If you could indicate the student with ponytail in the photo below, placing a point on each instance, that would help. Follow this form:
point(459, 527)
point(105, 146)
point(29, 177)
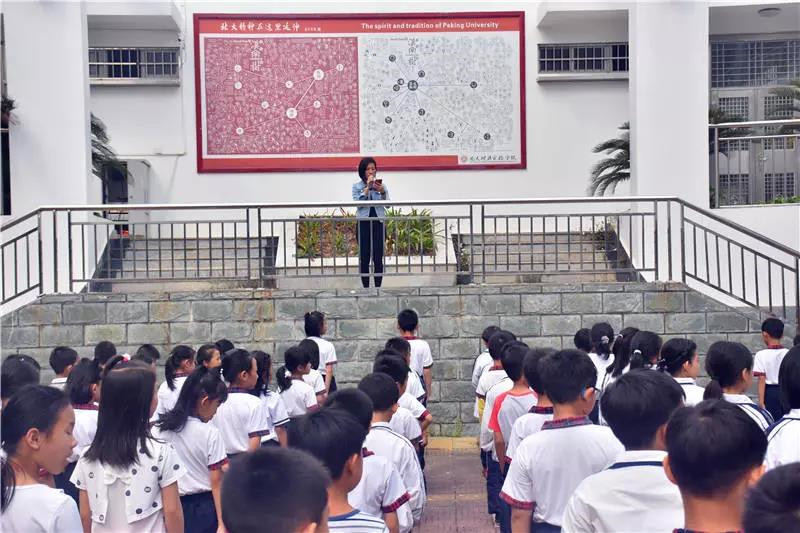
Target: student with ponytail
point(602, 336)
point(177, 368)
point(645, 349)
point(316, 326)
point(200, 448)
point(37, 433)
point(730, 367)
point(679, 359)
point(297, 395)
point(128, 479)
point(273, 403)
point(622, 355)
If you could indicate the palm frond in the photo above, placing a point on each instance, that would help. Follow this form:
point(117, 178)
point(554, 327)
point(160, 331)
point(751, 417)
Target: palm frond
point(103, 156)
point(607, 173)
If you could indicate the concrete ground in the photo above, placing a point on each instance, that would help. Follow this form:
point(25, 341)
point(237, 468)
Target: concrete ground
point(456, 489)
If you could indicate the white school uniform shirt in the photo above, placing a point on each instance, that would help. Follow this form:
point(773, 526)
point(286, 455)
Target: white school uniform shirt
point(767, 363)
point(630, 496)
point(40, 509)
point(278, 416)
point(404, 423)
point(601, 365)
point(239, 418)
point(167, 398)
point(129, 499)
point(507, 409)
point(549, 465)
point(327, 354)
point(525, 426)
point(482, 362)
point(407, 401)
point(692, 391)
point(400, 452)
point(316, 380)
point(784, 441)
point(84, 430)
point(414, 385)
point(759, 415)
point(381, 489)
point(58, 383)
point(421, 357)
point(486, 435)
point(200, 448)
point(356, 521)
point(491, 376)
point(299, 398)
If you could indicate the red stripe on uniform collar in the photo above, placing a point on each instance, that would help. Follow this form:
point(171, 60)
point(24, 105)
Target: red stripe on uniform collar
point(409, 337)
point(567, 422)
point(86, 406)
point(366, 453)
point(774, 347)
point(541, 410)
point(238, 389)
point(497, 366)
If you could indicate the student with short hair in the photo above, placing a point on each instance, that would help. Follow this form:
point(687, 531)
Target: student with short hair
point(36, 428)
point(224, 346)
point(774, 503)
point(200, 448)
point(381, 492)
point(336, 438)
point(421, 357)
point(730, 367)
point(784, 435)
point(414, 385)
point(583, 340)
point(484, 360)
point(297, 395)
point(766, 366)
point(273, 403)
point(103, 351)
point(714, 455)
point(16, 372)
point(62, 359)
point(242, 420)
point(177, 368)
point(416, 415)
point(534, 488)
point(316, 325)
point(127, 478)
point(532, 421)
point(679, 359)
point(209, 356)
point(314, 376)
point(492, 374)
point(633, 494)
point(148, 353)
point(256, 496)
point(382, 440)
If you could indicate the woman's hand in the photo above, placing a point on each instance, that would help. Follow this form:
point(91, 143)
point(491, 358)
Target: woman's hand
point(379, 187)
point(370, 180)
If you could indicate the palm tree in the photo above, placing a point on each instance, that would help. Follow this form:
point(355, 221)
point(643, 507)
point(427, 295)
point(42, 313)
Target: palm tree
point(103, 156)
point(611, 171)
point(789, 110)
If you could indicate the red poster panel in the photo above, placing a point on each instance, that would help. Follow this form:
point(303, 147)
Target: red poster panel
point(424, 91)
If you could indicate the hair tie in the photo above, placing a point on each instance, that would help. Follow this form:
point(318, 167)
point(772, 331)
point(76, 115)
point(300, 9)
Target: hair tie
point(604, 339)
point(637, 352)
point(287, 373)
point(126, 357)
point(618, 336)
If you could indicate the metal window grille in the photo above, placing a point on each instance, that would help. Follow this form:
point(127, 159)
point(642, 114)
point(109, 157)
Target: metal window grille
point(583, 58)
point(738, 107)
point(778, 184)
point(134, 63)
point(775, 108)
point(734, 189)
point(754, 63)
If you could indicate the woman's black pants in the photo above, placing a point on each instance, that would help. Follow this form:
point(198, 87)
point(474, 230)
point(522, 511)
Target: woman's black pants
point(370, 244)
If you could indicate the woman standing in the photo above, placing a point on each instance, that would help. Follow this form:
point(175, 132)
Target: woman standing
point(370, 220)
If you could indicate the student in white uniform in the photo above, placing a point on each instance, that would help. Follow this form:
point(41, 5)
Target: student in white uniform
point(714, 455)
point(17, 371)
point(679, 359)
point(484, 360)
point(128, 479)
point(209, 356)
point(766, 365)
point(199, 447)
point(549, 465)
point(314, 376)
point(633, 494)
point(645, 350)
point(381, 492)
point(336, 438)
point(414, 385)
point(421, 357)
point(177, 368)
point(784, 435)
point(381, 440)
point(730, 367)
point(297, 395)
point(494, 373)
point(621, 348)
point(62, 359)
point(772, 505)
point(37, 433)
point(532, 421)
point(242, 419)
point(291, 493)
point(273, 403)
point(316, 326)
point(602, 336)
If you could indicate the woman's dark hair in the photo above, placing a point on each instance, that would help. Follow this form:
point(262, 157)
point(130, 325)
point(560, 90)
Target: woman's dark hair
point(123, 422)
point(789, 379)
point(622, 351)
point(201, 382)
point(224, 345)
point(16, 372)
point(674, 354)
point(178, 355)
point(234, 362)
point(645, 347)
point(79, 382)
point(263, 364)
point(711, 446)
point(33, 406)
point(774, 503)
point(205, 352)
point(725, 362)
point(362, 167)
point(530, 367)
point(313, 322)
point(312, 349)
point(148, 352)
point(294, 358)
point(602, 335)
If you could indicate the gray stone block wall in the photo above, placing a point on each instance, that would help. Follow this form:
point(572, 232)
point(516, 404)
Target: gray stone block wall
point(359, 321)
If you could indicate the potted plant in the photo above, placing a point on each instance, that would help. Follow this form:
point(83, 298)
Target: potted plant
point(464, 275)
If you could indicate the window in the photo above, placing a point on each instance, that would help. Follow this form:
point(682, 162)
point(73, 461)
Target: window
point(778, 184)
point(594, 58)
point(734, 189)
point(777, 107)
point(754, 63)
point(735, 106)
point(143, 64)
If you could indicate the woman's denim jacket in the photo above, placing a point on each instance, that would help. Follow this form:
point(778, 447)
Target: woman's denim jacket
point(358, 195)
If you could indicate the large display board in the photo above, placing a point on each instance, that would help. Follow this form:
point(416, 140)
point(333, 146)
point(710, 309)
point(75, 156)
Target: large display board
point(420, 91)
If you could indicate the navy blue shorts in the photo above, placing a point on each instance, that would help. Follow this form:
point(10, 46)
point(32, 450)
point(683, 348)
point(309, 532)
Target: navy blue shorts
point(199, 513)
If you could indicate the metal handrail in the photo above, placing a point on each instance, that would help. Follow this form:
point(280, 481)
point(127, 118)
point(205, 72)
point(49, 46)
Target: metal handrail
point(779, 122)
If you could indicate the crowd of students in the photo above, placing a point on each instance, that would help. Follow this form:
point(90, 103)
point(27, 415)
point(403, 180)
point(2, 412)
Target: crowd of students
point(614, 435)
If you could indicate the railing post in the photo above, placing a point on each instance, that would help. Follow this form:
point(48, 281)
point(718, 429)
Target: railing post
point(655, 235)
point(716, 167)
point(55, 253)
point(669, 239)
point(69, 248)
point(483, 243)
point(682, 223)
point(39, 246)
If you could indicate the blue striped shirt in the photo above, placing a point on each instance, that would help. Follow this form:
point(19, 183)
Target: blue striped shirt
point(356, 522)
